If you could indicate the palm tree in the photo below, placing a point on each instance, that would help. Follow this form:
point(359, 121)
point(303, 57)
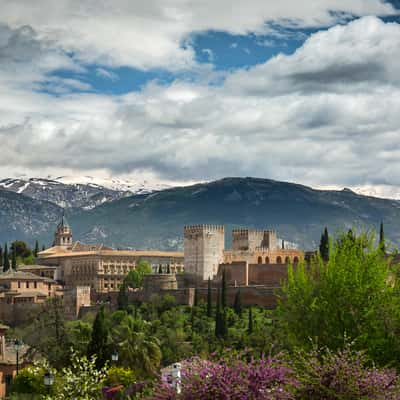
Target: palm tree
point(139, 350)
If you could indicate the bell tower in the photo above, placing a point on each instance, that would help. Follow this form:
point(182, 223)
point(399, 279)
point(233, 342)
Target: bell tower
point(63, 234)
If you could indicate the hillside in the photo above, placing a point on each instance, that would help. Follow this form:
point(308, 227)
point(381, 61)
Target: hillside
point(297, 212)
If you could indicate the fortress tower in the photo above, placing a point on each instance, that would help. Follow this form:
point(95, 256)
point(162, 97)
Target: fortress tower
point(250, 240)
point(204, 249)
point(63, 234)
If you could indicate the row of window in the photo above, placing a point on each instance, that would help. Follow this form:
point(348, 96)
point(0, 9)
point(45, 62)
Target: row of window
point(278, 260)
point(27, 284)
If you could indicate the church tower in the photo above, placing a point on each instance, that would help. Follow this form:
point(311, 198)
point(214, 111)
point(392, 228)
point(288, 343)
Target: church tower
point(63, 235)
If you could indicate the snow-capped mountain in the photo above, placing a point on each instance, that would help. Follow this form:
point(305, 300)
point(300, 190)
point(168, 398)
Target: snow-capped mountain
point(120, 185)
point(65, 195)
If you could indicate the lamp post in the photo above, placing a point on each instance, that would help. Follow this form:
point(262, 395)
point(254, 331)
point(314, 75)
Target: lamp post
point(17, 347)
point(114, 356)
point(48, 380)
point(176, 377)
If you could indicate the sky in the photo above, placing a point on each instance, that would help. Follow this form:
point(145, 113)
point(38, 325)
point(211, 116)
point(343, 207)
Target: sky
point(181, 91)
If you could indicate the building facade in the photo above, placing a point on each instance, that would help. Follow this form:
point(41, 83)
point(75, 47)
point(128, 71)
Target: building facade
point(97, 266)
point(204, 249)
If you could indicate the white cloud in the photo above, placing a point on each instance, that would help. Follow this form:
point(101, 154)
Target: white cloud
point(106, 74)
point(150, 33)
point(326, 115)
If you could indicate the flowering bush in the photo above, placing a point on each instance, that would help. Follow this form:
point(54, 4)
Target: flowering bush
point(266, 378)
point(343, 375)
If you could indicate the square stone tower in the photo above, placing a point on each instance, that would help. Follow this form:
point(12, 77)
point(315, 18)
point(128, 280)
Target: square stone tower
point(204, 247)
point(252, 239)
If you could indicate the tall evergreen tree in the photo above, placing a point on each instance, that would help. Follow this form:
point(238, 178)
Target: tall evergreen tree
point(14, 259)
point(209, 299)
point(196, 298)
point(237, 306)
point(218, 315)
point(98, 343)
point(382, 244)
point(122, 299)
point(6, 262)
point(36, 251)
point(250, 326)
point(1, 257)
point(223, 290)
point(324, 245)
point(43, 248)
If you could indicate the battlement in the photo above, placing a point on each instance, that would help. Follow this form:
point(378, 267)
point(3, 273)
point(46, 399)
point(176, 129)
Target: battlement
point(192, 229)
point(247, 232)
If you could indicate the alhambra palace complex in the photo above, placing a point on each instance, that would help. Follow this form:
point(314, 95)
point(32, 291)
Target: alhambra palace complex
point(85, 275)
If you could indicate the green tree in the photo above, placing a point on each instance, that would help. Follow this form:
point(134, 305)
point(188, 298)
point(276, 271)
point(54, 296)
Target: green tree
point(14, 259)
point(21, 249)
point(223, 290)
point(324, 245)
point(122, 299)
point(1, 258)
point(6, 262)
point(250, 324)
point(98, 345)
point(353, 296)
point(36, 251)
point(139, 349)
point(134, 279)
point(209, 299)
point(237, 306)
point(382, 244)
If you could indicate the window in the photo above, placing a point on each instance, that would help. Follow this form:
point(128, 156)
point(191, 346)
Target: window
point(259, 261)
point(106, 285)
point(35, 284)
point(266, 260)
point(27, 285)
point(296, 260)
point(287, 260)
point(19, 284)
point(279, 260)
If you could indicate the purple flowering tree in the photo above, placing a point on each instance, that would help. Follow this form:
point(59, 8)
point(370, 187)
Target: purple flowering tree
point(266, 378)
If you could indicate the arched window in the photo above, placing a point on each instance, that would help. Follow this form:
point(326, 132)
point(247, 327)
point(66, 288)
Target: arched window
point(296, 260)
point(279, 260)
point(259, 260)
point(287, 260)
point(266, 260)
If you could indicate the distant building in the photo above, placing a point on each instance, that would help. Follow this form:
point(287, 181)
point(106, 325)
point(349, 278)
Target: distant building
point(204, 250)
point(100, 267)
point(25, 287)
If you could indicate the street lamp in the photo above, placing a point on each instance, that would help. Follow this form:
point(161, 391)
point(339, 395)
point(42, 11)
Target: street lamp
point(48, 380)
point(17, 347)
point(114, 356)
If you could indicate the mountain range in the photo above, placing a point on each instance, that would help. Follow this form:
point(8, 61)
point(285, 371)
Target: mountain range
point(155, 219)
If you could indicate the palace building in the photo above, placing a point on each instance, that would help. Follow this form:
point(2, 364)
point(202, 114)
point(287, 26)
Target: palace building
point(101, 268)
point(204, 250)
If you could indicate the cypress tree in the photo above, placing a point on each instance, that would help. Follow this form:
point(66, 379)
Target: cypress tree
point(196, 298)
point(98, 343)
point(209, 299)
point(324, 245)
point(250, 324)
point(43, 248)
point(6, 263)
point(14, 258)
point(237, 306)
point(382, 238)
point(36, 251)
point(122, 299)
point(223, 290)
point(218, 316)
point(1, 257)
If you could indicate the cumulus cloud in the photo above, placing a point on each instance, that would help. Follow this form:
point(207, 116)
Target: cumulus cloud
point(326, 115)
point(146, 34)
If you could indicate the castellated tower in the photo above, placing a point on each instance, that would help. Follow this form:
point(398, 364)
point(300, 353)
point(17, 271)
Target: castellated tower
point(63, 234)
point(203, 249)
point(251, 239)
